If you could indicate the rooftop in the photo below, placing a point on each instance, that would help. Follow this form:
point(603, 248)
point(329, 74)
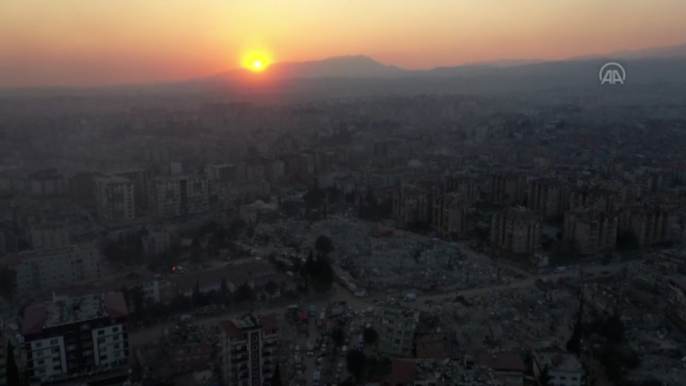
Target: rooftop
point(237, 326)
point(559, 361)
point(68, 311)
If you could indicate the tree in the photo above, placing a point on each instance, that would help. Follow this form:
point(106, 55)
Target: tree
point(544, 377)
point(338, 337)
point(137, 299)
point(356, 362)
point(323, 245)
point(244, 293)
point(8, 282)
point(271, 287)
point(276, 378)
point(370, 336)
point(321, 275)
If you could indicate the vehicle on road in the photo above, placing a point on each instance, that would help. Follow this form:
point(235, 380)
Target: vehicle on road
point(560, 269)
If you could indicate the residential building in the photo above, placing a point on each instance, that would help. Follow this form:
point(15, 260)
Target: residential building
point(563, 369)
point(603, 199)
point(48, 182)
point(249, 350)
point(396, 335)
point(507, 368)
point(140, 179)
point(71, 338)
point(115, 198)
point(48, 269)
point(547, 197)
point(464, 184)
point(180, 195)
point(648, 223)
point(508, 188)
point(49, 236)
point(411, 205)
point(156, 242)
point(452, 215)
point(516, 230)
point(590, 230)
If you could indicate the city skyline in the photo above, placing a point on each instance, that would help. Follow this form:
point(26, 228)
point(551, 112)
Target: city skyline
point(77, 43)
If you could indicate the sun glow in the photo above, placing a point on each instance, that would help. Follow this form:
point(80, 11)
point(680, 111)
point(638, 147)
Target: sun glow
point(256, 61)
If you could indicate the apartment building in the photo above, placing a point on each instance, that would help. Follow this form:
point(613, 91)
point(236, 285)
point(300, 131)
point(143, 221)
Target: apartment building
point(452, 215)
point(249, 350)
point(49, 236)
point(139, 178)
point(508, 188)
point(563, 369)
point(156, 242)
point(516, 230)
point(584, 197)
point(397, 332)
point(48, 269)
point(508, 369)
point(547, 197)
point(71, 338)
point(649, 223)
point(464, 184)
point(48, 182)
point(411, 205)
point(590, 230)
point(116, 203)
point(180, 195)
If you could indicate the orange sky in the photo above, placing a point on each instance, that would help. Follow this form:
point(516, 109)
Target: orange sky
point(92, 42)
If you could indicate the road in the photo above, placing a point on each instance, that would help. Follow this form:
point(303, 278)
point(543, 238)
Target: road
point(149, 335)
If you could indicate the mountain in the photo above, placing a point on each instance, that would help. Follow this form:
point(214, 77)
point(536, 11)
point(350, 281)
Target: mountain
point(337, 67)
point(646, 53)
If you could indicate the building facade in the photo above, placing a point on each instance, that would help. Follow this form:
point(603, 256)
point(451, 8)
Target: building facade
point(71, 338)
point(397, 332)
point(249, 350)
point(176, 196)
point(44, 270)
point(516, 231)
point(590, 231)
point(115, 198)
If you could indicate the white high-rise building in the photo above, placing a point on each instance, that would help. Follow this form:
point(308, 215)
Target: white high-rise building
point(115, 199)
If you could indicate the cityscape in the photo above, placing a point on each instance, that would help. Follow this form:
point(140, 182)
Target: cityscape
point(347, 221)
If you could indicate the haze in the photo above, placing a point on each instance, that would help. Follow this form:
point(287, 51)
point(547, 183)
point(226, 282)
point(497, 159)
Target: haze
point(78, 42)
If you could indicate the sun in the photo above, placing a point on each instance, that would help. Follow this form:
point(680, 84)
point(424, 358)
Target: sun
point(256, 61)
point(257, 65)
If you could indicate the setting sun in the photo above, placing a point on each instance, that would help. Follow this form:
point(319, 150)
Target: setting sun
point(256, 61)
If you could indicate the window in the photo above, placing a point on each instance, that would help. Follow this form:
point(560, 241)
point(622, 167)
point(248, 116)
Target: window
point(101, 340)
point(40, 362)
point(54, 341)
point(101, 332)
point(39, 344)
point(55, 350)
point(115, 329)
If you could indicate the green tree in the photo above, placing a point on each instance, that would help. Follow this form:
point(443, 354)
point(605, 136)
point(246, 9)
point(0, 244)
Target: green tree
point(271, 287)
point(244, 293)
point(544, 377)
point(338, 336)
point(356, 363)
point(276, 378)
point(323, 245)
point(321, 275)
point(370, 336)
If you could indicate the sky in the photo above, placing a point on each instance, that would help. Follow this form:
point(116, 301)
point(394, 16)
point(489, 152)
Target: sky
point(104, 42)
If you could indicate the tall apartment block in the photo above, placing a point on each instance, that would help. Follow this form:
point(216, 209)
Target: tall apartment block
point(176, 196)
point(547, 197)
point(508, 188)
point(516, 230)
point(396, 335)
point(591, 230)
point(249, 347)
point(72, 338)
point(116, 201)
point(48, 269)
